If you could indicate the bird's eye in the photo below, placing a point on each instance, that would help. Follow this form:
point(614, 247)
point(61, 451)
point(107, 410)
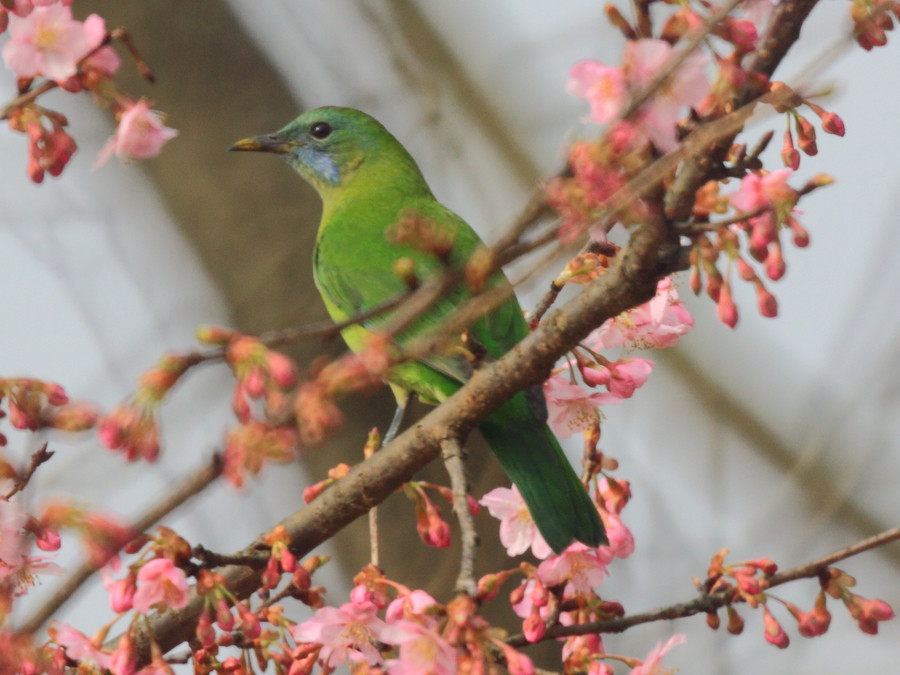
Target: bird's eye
point(320, 130)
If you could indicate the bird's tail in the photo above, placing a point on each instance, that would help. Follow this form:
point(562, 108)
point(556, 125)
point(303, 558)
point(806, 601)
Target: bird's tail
point(531, 456)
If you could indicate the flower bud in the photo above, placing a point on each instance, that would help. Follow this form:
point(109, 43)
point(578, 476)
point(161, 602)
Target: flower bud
point(789, 154)
point(726, 310)
point(774, 633)
point(735, 621)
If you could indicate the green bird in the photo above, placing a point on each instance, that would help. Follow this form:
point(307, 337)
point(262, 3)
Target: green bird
point(368, 182)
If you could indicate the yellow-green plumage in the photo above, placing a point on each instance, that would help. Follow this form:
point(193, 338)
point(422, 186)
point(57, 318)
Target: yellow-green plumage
point(368, 182)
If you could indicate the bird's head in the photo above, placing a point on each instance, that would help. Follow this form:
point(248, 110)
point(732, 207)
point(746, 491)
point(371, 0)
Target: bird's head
point(326, 145)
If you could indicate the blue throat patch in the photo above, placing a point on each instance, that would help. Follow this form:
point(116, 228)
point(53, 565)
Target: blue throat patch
point(322, 164)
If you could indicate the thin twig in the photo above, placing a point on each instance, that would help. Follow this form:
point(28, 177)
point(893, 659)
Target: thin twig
point(813, 568)
point(326, 329)
point(371, 447)
point(452, 453)
point(544, 304)
point(38, 457)
point(710, 602)
point(190, 487)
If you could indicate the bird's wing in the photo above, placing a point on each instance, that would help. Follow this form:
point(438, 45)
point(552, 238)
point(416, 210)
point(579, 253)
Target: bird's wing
point(362, 279)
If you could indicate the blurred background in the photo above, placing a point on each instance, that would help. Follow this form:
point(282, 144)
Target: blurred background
point(778, 439)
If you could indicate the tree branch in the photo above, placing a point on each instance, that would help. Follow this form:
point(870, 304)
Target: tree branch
point(190, 487)
point(710, 602)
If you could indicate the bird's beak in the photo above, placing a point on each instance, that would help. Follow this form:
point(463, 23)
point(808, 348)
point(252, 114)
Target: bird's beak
point(264, 143)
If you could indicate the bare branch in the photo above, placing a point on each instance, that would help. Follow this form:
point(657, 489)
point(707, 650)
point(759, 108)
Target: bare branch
point(190, 487)
point(706, 602)
point(38, 457)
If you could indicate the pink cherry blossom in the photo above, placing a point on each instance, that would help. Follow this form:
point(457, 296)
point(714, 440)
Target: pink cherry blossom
point(518, 532)
point(583, 567)
point(686, 88)
point(651, 665)
point(422, 650)
point(105, 61)
point(657, 323)
point(411, 607)
point(160, 582)
point(571, 408)
point(26, 574)
point(140, 134)
point(121, 591)
point(620, 377)
point(602, 86)
point(14, 545)
point(621, 541)
point(79, 647)
point(607, 89)
point(346, 632)
point(757, 11)
point(580, 645)
point(24, 7)
point(48, 42)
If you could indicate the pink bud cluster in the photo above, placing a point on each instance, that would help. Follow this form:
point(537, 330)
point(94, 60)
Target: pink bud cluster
point(430, 524)
point(314, 403)
point(872, 21)
point(131, 428)
point(589, 195)
point(34, 404)
point(749, 581)
point(260, 372)
point(251, 445)
point(49, 149)
point(786, 100)
point(765, 206)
